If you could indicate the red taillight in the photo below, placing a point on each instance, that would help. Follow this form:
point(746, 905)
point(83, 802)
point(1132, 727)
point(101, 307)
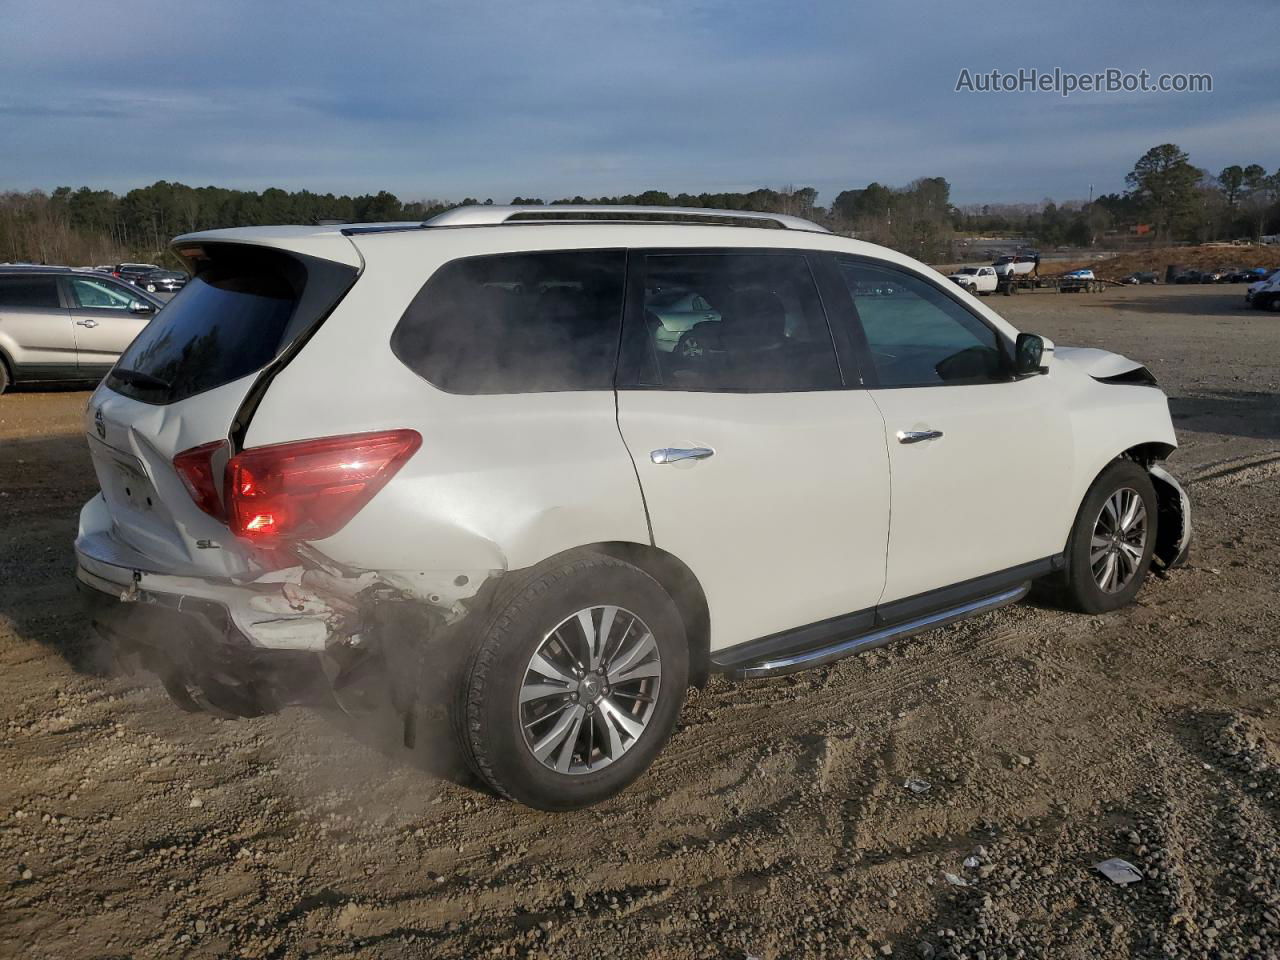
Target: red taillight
point(195, 467)
point(309, 489)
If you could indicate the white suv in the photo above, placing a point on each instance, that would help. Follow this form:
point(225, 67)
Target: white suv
point(462, 450)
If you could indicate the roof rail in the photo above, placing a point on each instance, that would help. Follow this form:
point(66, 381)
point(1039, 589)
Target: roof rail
point(493, 214)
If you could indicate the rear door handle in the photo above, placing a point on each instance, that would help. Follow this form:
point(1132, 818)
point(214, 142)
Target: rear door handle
point(675, 454)
point(915, 436)
point(87, 323)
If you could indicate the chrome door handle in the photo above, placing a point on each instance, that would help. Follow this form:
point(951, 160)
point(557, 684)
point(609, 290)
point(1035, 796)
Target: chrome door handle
point(915, 436)
point(674, 454)
point(87, 323)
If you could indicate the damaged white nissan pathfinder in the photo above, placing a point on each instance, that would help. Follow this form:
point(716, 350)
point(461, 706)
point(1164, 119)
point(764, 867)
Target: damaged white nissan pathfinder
point(463, 449)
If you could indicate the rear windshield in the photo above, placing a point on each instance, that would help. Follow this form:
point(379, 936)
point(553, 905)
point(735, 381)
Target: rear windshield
point(225, 324)
point(243, 308)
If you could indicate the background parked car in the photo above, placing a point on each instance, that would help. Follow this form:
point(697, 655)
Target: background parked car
point(1139, 277)
point(162, 281)
point(64, 325)
point(977, 280)
point(1268, 298)
point(678, 311)
point(1259, 285)
point(130, 272)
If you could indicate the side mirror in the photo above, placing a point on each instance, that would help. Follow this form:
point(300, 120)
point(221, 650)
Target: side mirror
point(138, 306)
point(1028, 352)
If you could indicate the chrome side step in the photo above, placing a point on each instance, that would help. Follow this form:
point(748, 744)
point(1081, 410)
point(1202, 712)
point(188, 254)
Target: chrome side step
point(877, 638)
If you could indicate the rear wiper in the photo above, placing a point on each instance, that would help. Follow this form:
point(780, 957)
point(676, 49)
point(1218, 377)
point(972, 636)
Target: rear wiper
point(140, 379)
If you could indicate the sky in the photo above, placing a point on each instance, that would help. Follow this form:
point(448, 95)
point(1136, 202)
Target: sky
point(556, 98)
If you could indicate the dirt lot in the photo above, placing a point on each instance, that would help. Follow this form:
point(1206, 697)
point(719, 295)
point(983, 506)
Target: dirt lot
point(775, 825)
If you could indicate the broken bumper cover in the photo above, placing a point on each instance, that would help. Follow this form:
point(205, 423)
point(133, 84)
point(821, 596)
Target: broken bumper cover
point(1173, 530)
point(239, 648)
point(203, 662)
point(273, 612)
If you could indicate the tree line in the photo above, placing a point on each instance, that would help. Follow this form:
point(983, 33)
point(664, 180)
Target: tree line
point(1176, 200)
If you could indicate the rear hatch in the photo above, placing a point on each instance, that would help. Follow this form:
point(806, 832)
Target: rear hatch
point(193, 377)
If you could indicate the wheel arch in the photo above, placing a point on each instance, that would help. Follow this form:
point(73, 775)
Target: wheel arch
point(1169, 496)
point(681, 585)
point(1153, 451)
point(7, 362)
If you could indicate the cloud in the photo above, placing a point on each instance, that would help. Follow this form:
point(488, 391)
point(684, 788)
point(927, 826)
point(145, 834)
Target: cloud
point(564, 97)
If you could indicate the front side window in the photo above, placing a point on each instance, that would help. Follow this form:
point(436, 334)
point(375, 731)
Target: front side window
point(917, 335)
point(99, 294)
point(29, 292)
point(731, 322)
point(517, 323)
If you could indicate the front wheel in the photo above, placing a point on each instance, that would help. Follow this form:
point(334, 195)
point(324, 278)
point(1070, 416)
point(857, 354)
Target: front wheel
point(1109, 552)
point(576, 685)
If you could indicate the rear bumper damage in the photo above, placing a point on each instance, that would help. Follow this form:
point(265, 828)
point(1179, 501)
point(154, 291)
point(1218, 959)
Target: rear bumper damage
point(203, 662)
point(306, 633)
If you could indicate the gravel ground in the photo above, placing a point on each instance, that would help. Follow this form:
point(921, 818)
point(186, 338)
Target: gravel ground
point(776, 824)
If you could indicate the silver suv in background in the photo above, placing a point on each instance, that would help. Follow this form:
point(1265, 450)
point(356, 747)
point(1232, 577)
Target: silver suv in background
point(64, 325)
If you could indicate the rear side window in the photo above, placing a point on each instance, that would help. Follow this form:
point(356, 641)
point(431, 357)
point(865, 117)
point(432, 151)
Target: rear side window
point(730, 322)
point(29, 292)
point(228, 322)
point(517, 323)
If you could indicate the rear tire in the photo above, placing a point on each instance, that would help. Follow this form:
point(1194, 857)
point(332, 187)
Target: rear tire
point(1109, 550)
point(5, 380)
point(531, 674)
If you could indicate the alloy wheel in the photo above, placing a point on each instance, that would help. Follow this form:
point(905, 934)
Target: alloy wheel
point(590, 690)
point(1119, 540)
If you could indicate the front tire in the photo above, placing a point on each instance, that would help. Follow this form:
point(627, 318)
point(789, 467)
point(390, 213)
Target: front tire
point(1109, 551)
point(576, 684)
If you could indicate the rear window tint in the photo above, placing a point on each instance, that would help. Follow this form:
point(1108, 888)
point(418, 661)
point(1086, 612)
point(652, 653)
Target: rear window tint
point(226, 323)
point(517, 323)
point(28, 292)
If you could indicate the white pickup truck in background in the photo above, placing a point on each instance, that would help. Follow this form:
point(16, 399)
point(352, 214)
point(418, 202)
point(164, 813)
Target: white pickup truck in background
point(977, 280)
